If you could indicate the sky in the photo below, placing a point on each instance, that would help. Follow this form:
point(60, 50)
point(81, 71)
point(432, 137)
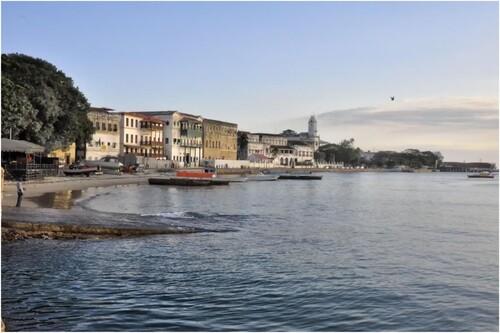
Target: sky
point(269, 66)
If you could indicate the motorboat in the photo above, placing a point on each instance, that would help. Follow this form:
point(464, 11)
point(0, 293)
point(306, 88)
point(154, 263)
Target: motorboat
point(262, 177)
point(106, 163)
point(482, 174)
point(78, 170)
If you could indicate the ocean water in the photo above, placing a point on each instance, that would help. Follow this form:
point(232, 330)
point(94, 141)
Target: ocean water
point(352, 252)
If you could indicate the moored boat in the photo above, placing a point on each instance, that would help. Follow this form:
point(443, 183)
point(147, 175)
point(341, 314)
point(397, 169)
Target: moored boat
point(80, 171)
point(262, 177)
point(107, 163)
point(179, 181)
point(483, 174)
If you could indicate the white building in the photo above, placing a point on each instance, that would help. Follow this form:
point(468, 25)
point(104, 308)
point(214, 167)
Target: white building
point(183, 135)
point(141, 135)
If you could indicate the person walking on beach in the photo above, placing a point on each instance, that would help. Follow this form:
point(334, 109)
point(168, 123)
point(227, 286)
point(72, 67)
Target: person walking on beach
point(20, 191)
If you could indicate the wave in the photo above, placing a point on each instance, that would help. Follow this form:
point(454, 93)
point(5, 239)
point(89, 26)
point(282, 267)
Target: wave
point(173, 215)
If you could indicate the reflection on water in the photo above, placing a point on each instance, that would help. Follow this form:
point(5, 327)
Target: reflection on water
point(59, 200)
point(353, 252)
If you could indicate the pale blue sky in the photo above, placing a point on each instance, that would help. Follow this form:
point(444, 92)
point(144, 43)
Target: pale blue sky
point(260, 64)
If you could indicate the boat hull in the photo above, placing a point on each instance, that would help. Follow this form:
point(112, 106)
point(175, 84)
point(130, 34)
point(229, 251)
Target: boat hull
point(80, 172)
point(481, 176)
point(262, 178)
point(300, 177)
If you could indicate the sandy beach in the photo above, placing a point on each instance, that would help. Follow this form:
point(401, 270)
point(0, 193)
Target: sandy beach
point(58, 184)
point(17, 222)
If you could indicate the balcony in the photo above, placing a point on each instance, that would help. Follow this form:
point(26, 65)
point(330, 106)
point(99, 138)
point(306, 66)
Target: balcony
point(192, 133)
point(191, 145)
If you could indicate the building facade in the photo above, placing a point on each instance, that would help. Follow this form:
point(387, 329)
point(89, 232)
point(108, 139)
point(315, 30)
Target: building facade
point(141, 135)
point(219, 140)
point(106, 139)
point(183, 135)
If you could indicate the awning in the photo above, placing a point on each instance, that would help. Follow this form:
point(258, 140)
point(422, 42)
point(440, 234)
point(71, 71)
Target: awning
point(21, 146)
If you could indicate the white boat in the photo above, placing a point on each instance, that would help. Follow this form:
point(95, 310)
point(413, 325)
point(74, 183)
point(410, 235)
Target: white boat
point(483, 174)
point(262, 177)
point(80, 171)
point(108, 163)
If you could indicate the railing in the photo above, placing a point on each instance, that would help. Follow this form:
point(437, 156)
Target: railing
point(31, 171)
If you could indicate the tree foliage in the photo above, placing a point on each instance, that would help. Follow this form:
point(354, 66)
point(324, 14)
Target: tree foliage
point(40, 104)
point(346, 152)
point(412, 158)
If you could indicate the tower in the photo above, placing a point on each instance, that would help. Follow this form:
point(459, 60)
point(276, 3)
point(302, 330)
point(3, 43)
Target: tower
point(313, 132)
point(313, 128)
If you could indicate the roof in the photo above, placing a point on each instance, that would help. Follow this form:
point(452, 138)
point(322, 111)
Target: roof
point(26, 147)
point(219, 122)
point(101, 109)
point(256, 157)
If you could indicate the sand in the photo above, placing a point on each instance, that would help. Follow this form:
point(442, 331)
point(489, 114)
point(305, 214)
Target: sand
point(58, 184)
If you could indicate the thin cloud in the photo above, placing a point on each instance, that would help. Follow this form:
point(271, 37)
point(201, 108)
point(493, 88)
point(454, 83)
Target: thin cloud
point(453, 113)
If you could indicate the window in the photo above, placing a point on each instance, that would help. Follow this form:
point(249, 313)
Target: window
point(126, 138)
point(166, 140)
point(114, 144)
point(136, 125)
point(126, 122)
point(115, 128)
point(136, 139)
point(97, 125)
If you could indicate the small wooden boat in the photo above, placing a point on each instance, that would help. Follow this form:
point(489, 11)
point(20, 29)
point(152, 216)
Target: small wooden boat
point(483, 174)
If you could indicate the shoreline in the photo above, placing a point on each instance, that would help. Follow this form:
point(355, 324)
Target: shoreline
point(35, 189)
point(59, 184)
point(19, 230)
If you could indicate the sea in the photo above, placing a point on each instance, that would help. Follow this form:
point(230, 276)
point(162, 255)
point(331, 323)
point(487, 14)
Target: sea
point(360, 251)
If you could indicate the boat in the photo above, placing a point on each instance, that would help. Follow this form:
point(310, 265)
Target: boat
point(80, 171)
point(231, 179)
point(262, 177)
point(483, 174)
point(106, 163)
point(180, 181)
point(209, 173)
point(300, 175)
point(206, 177)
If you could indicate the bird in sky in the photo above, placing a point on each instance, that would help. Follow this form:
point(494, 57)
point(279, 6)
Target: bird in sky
point(392, 98)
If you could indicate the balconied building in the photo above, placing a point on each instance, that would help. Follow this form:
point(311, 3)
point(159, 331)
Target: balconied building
point(106, 139)
point(141, 135)
point(277, 147)
point(219, 140)
point(183, 134)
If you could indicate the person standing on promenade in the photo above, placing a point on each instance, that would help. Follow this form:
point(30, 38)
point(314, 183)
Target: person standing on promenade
point(20, 191)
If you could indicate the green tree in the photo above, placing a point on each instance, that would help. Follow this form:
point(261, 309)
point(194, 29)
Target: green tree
point(345, 151)
point(242, 144)
point(40, 104)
